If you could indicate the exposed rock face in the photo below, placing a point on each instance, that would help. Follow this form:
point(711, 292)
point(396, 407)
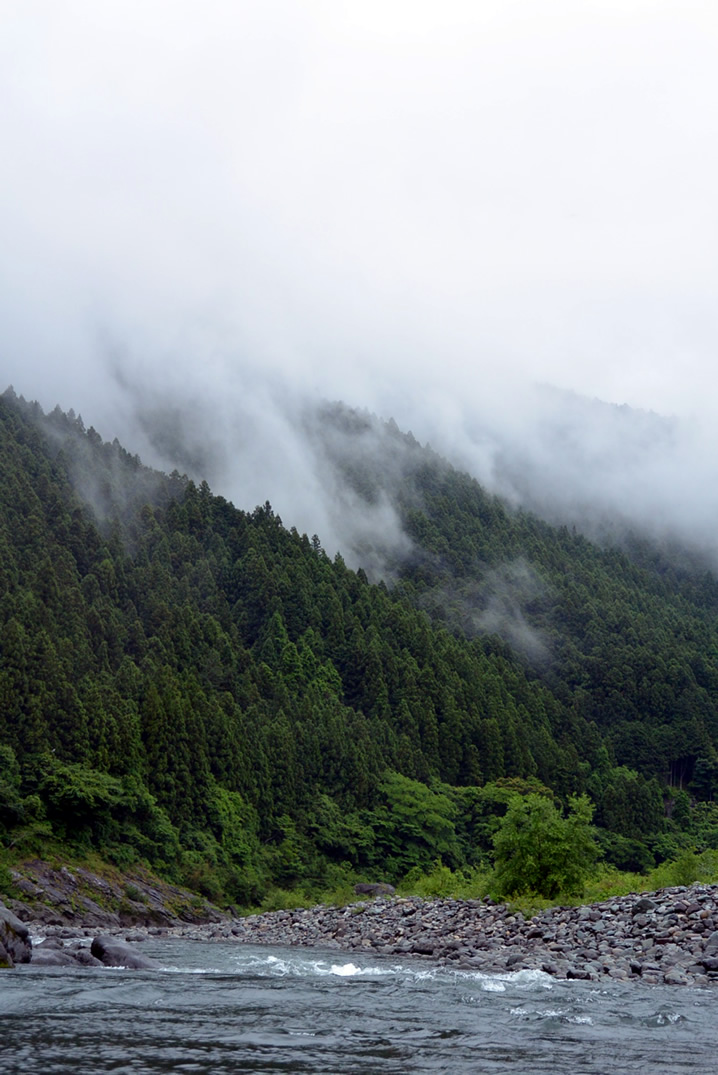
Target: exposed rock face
point(15, 944)
point(77, 896)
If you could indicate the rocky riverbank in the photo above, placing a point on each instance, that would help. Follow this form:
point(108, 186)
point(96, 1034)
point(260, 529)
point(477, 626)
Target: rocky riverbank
point(667, 937)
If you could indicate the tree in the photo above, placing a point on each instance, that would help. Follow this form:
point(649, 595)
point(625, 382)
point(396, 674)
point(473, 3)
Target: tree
point(536, 849)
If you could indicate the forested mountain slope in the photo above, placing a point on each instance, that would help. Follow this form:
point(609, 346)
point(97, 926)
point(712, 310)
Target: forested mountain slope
point(198, 686)
point(625, 634)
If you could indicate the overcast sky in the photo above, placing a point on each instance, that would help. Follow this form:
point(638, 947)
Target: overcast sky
point(414, 205)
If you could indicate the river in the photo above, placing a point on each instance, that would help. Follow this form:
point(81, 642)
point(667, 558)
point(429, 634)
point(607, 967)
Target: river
point(223, 1007)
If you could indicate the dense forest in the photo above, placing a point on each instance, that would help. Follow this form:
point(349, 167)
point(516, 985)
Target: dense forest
point(198, 687)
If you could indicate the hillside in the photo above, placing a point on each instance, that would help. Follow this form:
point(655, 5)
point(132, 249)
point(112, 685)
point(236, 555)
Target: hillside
point(198, 687)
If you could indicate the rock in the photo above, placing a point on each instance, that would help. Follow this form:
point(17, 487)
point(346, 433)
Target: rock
point(115, 953)
point(581, 973)
point(53, 957)
point(85, 958)
point(643, 905)
point(711, 945)
point(378, 889)
point(46, 945)
point(6, 961)
point(14, 937)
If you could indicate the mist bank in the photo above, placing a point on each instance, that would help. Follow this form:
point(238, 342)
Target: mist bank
point(612, 472)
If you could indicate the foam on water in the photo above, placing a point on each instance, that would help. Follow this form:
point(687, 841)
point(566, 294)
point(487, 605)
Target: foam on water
point(299, 966)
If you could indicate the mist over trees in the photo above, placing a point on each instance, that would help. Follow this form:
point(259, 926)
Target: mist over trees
point(197, 686)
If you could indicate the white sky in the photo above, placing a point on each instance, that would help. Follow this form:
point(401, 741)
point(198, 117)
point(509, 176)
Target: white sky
point(418, 206)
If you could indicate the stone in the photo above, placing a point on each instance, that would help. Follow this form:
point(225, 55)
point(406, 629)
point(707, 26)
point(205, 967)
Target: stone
point(85, 958)
point(378, 889)
point(115, 953)
point(53, 957)
point(581, 973)
point(675, 976)
point(6, 961)
point(643, 905)
point(14, 937)
point(711, 945)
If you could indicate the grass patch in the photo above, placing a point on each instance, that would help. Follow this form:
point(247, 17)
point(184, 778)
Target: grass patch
point(442, 883)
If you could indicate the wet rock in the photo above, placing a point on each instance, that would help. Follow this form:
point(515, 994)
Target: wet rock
point(6, 960)
point(14, 938)
point(53, 957)
point(580, 973)
point(85, 958)
point(113, 952)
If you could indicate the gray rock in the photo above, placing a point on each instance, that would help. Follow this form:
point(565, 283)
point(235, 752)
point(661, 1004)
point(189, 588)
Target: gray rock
point(581, 973)
point(643, 905)
point(53, 957)
point(115, 953)
point(14, 937)
point(378, 889)
point(675, 976)
point(711, 945)
point(6, 961)
point(85, 958)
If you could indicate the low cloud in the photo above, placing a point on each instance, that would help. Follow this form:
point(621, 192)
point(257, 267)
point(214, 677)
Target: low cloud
point(214, 221)
point(506, 593)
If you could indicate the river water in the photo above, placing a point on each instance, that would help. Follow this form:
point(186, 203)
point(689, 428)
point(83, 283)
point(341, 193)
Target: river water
point(216, 1008)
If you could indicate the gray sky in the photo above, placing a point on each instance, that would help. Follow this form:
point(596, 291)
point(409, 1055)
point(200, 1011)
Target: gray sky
point(422, 207)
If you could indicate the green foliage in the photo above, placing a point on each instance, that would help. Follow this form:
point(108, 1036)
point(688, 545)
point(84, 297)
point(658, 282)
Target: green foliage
point(538, 850)
point(414, 826)
point(624, 853)
point(688, 868)
point(442, 883)
point(282, 899)
point(12, 811)
point(7, 885)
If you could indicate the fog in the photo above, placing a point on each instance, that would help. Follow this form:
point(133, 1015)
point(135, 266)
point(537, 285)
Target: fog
point(492, 221)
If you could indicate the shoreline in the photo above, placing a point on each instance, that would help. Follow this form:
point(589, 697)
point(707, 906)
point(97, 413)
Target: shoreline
point(667, 937)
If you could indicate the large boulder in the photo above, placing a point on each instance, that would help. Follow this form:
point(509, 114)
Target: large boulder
point(53, 957)
point(114, 953)
point(14, 938)
point(377, 889)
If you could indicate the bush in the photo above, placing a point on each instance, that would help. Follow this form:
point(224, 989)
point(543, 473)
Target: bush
point(538, 850)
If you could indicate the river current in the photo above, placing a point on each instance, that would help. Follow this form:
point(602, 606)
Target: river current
point(217, 1008)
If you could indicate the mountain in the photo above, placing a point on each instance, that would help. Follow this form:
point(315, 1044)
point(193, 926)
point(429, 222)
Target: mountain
point(196, 686)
